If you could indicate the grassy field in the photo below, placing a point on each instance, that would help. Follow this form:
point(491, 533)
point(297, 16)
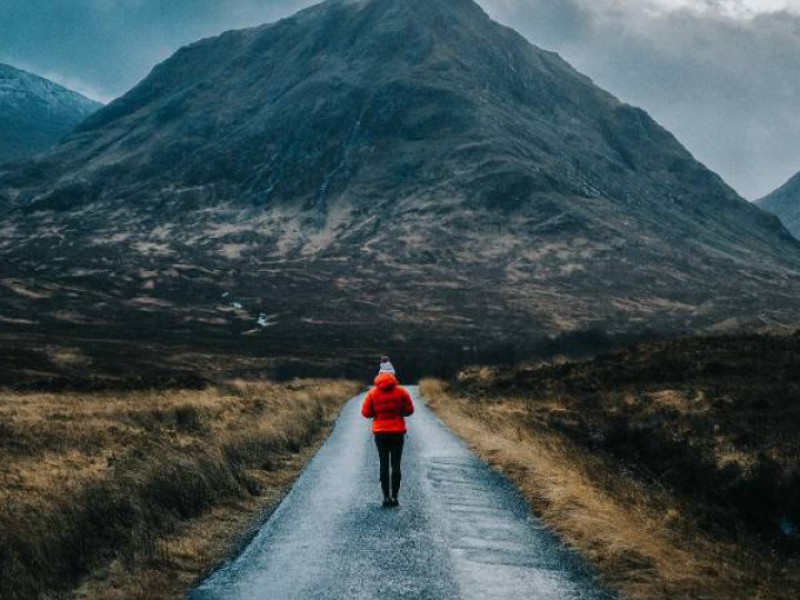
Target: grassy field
point(137, 494)
point(673, 466)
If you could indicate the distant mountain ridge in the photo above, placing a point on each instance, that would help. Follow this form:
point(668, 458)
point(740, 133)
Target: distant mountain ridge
point(380, 174)
point(784, 202)
point(35, 113)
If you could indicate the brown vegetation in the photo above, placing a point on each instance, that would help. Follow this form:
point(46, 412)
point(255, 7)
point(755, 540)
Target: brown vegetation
point(135, 495)
point(673, 466)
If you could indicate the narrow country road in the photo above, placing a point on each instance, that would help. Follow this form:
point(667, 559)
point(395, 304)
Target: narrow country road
point(461, 531)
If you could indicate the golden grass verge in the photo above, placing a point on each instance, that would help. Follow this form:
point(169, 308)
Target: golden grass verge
point(643, 541)
point(137, 495)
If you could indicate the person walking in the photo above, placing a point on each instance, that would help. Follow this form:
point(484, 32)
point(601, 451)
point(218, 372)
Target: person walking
point(387, 404)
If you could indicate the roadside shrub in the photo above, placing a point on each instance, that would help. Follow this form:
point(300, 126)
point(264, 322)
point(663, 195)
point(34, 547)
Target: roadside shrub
point(188, 418)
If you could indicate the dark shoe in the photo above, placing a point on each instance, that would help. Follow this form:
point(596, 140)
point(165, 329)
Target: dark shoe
point(387, 502)
point(394, 502)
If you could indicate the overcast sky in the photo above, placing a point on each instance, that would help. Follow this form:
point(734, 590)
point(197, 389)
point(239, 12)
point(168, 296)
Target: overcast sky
point(722, 75)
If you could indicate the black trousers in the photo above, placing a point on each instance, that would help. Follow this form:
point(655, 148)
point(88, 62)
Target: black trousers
point(390, 451)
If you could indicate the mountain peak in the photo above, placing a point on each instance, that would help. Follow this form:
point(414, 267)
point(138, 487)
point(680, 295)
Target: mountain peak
point(14, 81)
point(784, 202)
point(36, 112)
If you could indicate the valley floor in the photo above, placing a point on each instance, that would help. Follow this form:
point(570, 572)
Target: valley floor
point(674, 467)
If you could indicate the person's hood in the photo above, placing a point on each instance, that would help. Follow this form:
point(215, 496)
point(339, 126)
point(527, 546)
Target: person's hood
point(386, 381)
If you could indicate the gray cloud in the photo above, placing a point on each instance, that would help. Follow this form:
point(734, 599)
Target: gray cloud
point(727, 87)
point(723, 75)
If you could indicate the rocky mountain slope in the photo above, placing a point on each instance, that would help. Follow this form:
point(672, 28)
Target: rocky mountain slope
point(785, 204)
point(35, 113)
point(375, 175)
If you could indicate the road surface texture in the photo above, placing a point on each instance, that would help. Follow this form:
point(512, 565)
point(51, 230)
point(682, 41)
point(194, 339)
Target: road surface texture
point(461, 531)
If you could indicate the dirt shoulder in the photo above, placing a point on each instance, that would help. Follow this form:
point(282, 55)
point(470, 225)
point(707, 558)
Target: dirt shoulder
point(139, 494)
point(593, 454)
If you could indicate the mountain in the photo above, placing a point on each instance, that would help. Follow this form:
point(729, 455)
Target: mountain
point(785, 204)
point(370, 176)
point(35, 113)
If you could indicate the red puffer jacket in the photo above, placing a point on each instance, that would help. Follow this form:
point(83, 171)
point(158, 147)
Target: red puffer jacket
point(386, 404)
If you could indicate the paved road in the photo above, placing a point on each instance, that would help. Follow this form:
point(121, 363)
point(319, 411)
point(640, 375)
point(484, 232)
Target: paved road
point(461, 531)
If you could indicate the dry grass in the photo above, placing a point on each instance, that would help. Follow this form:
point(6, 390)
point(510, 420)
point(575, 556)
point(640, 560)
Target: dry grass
point(135, 495)
point(643, 538)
